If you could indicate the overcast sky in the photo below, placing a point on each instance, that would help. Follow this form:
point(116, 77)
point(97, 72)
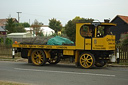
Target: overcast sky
point(63, 10)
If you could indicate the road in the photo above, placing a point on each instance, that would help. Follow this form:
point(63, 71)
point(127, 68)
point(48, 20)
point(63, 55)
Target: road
point(62, 74)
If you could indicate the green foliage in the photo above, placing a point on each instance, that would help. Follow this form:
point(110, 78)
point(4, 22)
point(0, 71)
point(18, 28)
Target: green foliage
point(25, 24)
point(20, 29)
point(1, 40)
point(55, 25)
point(70, 27)
point(125, 41)
point(10, 26)
point(70, 30)
point(8, 41)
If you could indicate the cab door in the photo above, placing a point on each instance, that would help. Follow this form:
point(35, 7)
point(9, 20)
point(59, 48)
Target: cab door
point(87, 31)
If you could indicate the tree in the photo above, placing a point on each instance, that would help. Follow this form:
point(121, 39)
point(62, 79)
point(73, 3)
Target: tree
point(125, 41)
point(19, 27)
point(36, 27)
point(55, 25)
point(10, 26)
point(70, 27)
point(25, 24)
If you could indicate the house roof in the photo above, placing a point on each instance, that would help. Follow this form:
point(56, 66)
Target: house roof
point(1, 29)
point(124, 18)
point(1, 24)
point(3, 21)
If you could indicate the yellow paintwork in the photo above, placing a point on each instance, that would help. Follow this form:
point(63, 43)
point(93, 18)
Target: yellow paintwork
point(29, 52)
point(43, 46)
point(87, 44)
point(112, 24)
point(47, 53)
point(79, 38)
point(106, 43)
point(95, 31)
point(68, 52)
point(76, 56)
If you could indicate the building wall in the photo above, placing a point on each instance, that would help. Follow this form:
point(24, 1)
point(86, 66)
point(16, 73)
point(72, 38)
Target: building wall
point(120, 28)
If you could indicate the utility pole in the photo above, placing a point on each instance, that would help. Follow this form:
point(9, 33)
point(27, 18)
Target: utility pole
point(18, 16)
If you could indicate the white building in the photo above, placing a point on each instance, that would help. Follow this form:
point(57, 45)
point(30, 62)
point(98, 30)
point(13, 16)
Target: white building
point(19, 35)
point(45, 29)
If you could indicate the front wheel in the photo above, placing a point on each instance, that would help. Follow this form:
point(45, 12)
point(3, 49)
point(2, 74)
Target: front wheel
point(38, 57)
point(87, 60)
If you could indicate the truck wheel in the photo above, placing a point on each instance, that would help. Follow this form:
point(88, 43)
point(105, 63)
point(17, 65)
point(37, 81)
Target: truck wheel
point(87, 60)
point(100, 64)
point(54, 60)
point(38, 57)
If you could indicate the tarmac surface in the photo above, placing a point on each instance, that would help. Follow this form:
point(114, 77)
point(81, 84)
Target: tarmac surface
point(62, 74)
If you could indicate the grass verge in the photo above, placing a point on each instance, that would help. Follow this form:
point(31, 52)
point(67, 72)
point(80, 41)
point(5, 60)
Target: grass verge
point(10, 83)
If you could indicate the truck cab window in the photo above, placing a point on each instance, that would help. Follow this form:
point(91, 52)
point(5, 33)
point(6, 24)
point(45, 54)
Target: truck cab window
point(87, 31)
point(103, 31)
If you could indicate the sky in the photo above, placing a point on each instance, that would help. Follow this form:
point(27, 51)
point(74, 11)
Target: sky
point(63, 10)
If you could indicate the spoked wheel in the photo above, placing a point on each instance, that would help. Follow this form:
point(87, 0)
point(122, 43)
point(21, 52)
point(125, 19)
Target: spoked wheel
point(100, 63)
point(38, 57)
point(87, 60)
point(54, 60)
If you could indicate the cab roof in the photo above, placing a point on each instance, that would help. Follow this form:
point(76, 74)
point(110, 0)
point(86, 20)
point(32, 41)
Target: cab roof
point(98, 23)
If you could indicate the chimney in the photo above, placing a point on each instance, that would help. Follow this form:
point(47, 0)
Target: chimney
point(106, 20)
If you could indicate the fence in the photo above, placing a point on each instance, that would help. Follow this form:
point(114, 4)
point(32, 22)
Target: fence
point(123, 53)
point(5, 50)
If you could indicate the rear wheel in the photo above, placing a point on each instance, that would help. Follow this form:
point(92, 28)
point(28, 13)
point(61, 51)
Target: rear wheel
point(54, 59)
point(38, 57)
point(100, 63)
point(87, 60)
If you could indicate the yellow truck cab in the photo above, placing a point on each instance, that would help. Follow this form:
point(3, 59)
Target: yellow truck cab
point(93, 45)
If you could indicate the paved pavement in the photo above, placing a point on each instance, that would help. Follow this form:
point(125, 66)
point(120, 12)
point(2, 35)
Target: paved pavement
point(62, 74)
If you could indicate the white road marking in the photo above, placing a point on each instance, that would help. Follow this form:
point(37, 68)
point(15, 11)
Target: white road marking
point(64, 72)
